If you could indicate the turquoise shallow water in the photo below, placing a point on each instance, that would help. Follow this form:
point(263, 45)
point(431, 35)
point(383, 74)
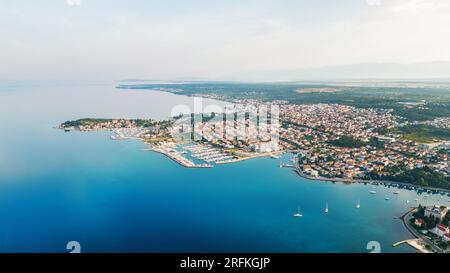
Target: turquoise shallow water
point(112, 196)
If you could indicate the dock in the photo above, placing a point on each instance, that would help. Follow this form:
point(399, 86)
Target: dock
point(209, 154)
point(417, 244)
point(169, 151)
point(402, 242)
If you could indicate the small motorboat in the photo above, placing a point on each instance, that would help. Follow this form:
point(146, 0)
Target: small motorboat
point(298, 214)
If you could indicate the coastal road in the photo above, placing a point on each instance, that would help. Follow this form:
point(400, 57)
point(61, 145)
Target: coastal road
point(405, 218)
point(373, 182)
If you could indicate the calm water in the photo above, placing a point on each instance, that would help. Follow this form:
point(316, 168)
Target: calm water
point(112, 196)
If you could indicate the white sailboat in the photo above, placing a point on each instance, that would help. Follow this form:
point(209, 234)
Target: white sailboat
point(326, 208)
point(298, 214)
point(373, 192)
point(358, 205)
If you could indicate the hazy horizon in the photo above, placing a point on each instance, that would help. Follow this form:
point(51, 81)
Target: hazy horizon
point(226, 40)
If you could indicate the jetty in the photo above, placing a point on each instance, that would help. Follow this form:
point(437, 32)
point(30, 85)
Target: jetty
point(169, 150)
point(417, 244)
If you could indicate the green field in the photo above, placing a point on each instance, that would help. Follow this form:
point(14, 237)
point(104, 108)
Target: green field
point(423, 133)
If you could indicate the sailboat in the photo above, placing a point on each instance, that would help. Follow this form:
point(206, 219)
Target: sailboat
point(326, 208)
point(358, 205)
point(298, 214)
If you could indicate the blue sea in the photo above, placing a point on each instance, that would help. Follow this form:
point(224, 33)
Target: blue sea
point(113, 196)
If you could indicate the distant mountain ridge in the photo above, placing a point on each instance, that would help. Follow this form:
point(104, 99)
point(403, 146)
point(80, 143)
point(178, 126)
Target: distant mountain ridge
point(425, 70)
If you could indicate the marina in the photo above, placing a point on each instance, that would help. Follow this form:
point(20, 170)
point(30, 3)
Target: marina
point(206, 156)
point(169, 150)
point(209, 154)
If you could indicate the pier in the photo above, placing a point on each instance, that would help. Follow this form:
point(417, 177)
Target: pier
point(170, 151)
point(417, 244)
point(209, 154)
point(403, 242)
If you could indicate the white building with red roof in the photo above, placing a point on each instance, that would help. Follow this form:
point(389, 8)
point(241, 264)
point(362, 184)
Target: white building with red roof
point(440, 230)
point(447, 237)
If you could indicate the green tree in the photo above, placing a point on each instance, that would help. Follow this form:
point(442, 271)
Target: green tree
point(446, 220)
point(431, 222)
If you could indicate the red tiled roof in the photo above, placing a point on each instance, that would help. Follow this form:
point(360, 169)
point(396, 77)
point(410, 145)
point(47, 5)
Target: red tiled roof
point(441, 227)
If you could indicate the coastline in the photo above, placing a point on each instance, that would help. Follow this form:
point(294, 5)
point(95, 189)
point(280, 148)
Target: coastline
point(419, 241)
point(156, 190)
point(372, 182)
point(188, 164)
point(228, 99)
point(252, 157)
point(179, 158)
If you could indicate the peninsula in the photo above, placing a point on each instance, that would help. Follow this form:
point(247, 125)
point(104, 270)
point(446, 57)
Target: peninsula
point(332, 141)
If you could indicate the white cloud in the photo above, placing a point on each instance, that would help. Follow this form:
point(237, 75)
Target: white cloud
point(73, 2)
point(373, 2)
point(410, 6)
point(129, 43)
point(418, 6)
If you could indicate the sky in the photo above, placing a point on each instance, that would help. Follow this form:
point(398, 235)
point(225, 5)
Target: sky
point(211, 39)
